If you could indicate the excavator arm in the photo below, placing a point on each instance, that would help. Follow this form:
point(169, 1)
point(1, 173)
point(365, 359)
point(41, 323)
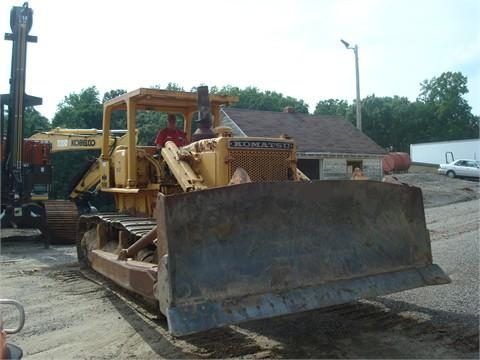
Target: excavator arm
point(90, 177)
point(75, 139)
point(79, 140)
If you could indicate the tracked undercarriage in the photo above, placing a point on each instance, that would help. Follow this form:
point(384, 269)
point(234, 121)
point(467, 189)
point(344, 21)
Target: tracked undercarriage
point(62, 219)
point(100, 239)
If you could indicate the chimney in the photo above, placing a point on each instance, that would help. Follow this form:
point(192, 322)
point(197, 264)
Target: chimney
point(288, 109)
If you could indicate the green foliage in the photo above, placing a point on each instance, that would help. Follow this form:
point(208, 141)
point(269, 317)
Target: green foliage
point(66, 165)
point(333, 107)
point(171, 86)
point(449, 86)
point(112, 94)
point(34, 122)
point(80, 111)
point(387, 120)
point(119, 117)
point(252, 98)
point(76, 111)
point(449, 114)
point(149, 123)
point(439, 114)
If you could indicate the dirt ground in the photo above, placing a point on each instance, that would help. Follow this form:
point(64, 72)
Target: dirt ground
point(75, 315)
point(440, 190)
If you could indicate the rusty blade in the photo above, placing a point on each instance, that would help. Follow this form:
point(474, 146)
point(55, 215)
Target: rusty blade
point(258, 250)
point(132, 275)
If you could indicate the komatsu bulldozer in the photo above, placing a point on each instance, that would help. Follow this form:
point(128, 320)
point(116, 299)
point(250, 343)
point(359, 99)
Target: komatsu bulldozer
point(240, 233)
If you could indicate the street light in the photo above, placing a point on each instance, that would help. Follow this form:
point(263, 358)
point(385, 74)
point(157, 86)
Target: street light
point(359, 106)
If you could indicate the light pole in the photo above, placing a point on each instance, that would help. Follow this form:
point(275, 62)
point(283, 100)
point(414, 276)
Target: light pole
point(359, 105)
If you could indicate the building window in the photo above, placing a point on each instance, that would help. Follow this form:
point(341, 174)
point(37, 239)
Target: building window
point(352, 164)
point(334, 169)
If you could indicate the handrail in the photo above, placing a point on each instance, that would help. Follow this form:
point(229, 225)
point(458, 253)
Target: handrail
point(21, 311)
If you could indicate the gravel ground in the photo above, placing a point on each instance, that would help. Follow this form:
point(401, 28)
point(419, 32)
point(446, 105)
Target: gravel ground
point(441, 190)
point(75, 315)
point(454, 231)
point(455, 236)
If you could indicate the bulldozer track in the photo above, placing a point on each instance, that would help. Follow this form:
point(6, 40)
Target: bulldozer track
point(135, 226)
point(62, 219)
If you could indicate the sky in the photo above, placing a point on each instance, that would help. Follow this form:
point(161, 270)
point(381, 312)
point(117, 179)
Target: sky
point(288, 46)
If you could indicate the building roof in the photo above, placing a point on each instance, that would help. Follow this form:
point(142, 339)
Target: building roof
point(312, 133)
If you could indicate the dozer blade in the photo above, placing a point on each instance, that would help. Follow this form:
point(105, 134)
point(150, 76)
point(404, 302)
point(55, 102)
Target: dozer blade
point(260, 250)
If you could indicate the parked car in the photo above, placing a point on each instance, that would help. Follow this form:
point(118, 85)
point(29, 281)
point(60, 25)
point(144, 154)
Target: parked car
point(461, 168)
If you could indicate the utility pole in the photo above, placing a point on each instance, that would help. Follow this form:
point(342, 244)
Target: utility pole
point(357, 73)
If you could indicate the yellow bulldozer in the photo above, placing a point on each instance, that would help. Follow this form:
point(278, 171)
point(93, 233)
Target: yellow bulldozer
point(227, 229)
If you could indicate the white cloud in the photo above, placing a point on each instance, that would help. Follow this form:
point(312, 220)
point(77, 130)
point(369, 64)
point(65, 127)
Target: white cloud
point(288, 46)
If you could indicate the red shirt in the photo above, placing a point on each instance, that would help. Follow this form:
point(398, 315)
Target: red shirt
point(175, 135)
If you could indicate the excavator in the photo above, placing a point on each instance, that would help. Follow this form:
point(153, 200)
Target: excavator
point(26, 168)
point(227, 229)
point(64, 139)
point(62, 215)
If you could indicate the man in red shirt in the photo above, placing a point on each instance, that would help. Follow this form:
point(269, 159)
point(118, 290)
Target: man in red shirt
point(171, 133)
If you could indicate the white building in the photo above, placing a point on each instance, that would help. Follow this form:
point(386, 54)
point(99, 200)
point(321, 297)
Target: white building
point(445, 151)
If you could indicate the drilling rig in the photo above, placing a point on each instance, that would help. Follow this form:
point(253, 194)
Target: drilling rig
point(25, 163)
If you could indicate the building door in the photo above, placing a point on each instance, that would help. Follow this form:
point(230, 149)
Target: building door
point(309, 167)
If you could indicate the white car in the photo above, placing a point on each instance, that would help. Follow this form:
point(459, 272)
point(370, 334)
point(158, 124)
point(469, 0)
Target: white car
point(461, 168)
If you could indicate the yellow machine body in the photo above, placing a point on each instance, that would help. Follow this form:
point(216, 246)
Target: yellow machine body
point(241, 233)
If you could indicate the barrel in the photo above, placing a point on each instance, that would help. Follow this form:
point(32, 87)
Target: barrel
point(396, 162)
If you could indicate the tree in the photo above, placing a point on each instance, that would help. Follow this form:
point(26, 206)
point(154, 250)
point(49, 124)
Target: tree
point(119, 117)
point(112, 94)
point(253, 98)
point(389, 121)
point(148, 125)
point(76, 111)
point(82, 110)
point(333, 107)
point(439, 114)
point(450, 115)
point(34, 122)
point(171, 86)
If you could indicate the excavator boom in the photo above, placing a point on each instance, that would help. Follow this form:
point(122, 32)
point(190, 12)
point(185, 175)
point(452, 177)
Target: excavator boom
point(75, 139)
